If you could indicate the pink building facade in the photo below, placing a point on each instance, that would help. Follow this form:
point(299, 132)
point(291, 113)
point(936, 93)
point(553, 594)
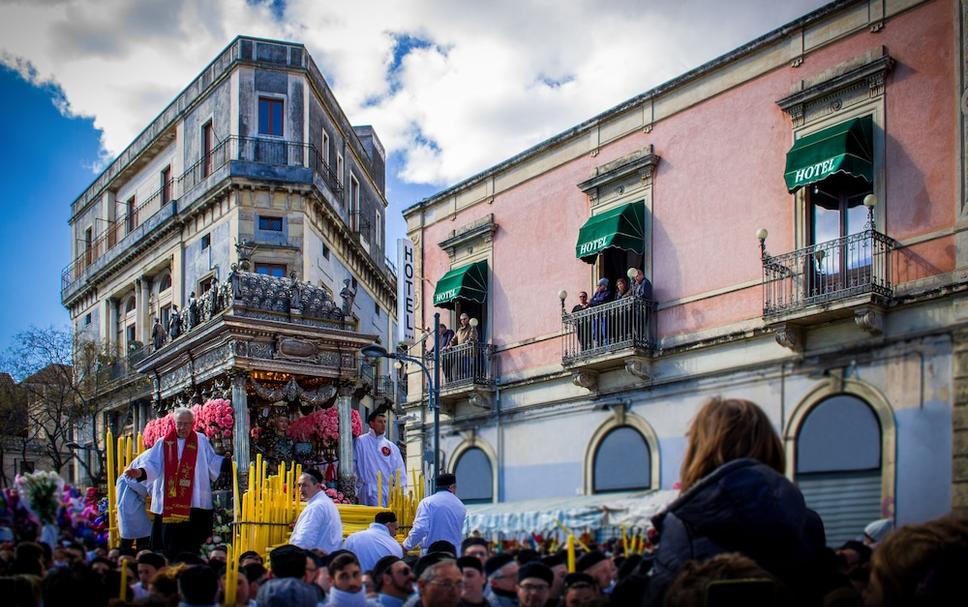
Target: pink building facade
point(797, 207)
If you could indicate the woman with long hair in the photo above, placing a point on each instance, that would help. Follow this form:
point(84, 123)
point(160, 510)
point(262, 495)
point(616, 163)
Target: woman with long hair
point(735, 498)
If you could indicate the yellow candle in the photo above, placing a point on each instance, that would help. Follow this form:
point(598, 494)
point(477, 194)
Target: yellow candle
point(124, 580)
point(235, 491)
point(231, 575)
point(111, 478)
point(141, 444)
point(571, 553)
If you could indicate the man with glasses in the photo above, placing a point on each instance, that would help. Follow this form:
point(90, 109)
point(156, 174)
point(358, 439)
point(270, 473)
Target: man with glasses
point(534, 584)
point(439, 581)
point(393, 579)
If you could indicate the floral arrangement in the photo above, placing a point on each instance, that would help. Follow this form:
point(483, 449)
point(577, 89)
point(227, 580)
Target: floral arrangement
point(215, 418)
point(337, 496)
point(322, 426)
point(41, 494)
point(156, 429)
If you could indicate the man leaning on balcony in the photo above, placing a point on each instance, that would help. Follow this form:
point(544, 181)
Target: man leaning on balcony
point(641, 287)
point(465, 334)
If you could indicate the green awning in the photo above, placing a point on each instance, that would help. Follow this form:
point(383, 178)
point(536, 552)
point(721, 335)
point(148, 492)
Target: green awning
point(845, 148)
point(620, 228)
point(466, 282)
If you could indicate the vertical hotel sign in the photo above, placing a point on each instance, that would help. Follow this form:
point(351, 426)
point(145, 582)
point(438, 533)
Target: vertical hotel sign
point(406, 295)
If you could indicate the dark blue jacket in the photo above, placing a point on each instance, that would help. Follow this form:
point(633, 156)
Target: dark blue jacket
point(743, 506)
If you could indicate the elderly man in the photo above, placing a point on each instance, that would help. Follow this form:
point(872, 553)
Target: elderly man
point(376, 541)
point(372, 454)
point(439, 581)
point(439, 517)
point(182, 466)
point(319, 524)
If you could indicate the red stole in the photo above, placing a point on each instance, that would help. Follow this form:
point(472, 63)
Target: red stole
point(179, 477)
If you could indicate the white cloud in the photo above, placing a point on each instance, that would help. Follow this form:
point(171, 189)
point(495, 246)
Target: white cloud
point(493, 79)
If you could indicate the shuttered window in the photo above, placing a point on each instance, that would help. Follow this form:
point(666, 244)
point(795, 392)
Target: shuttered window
point(839, 465)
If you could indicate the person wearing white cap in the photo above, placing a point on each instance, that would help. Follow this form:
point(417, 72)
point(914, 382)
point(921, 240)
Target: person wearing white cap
point(875, 532)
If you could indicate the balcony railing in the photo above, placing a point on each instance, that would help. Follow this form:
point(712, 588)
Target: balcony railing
point(858, 264)
point(386, 384)
point(466, 365)
point(615, 326)
point(264, 151)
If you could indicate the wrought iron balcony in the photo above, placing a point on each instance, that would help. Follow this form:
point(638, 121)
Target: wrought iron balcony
point(623, 326)
point(466, 366)
point(823, 274)
point(390, 387)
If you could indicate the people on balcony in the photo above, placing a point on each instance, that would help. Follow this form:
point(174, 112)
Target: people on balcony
point(641, 287)
point(582, 329)
point(600, 325)
point(444, 338)
point(465, 363)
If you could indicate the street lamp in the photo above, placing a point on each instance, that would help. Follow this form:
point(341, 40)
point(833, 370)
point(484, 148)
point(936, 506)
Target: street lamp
point(433, 384)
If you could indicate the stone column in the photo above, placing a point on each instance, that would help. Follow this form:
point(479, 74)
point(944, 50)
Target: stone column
point(240, 407)
point(959, 476)
point(347, 472)
point(143, 285)
point(109, 322)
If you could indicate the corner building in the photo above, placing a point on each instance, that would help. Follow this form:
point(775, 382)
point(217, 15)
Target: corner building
point(798, 206)
point(252, 193)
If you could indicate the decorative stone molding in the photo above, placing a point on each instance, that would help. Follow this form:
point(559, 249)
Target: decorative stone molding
point(639, 367)
point(870, 319)
point(855, 81)
point(789, 336)
point(477, 233)
point(585, 378)
point(622, 174)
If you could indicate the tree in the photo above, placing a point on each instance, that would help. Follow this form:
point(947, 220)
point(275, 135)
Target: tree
point(70, 382)
point(13, 423)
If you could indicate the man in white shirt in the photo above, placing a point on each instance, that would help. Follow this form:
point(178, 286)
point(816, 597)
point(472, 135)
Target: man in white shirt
point(373, 453)
point(319, 525)
point(181, 468)
point(439, 517)
point(376, 542)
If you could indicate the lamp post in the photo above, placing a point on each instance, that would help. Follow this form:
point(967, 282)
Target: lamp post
point(433, 385)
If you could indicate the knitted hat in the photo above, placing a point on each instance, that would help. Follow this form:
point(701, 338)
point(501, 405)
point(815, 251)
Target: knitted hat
point(429, 559)
point(558, 558)
point(470, 561)
point(575, 579)
point(587, 561)
point(496, 562)
point(536, 570)
point(603, 282)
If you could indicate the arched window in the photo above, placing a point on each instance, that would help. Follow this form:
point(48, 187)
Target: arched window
point(839, 465)
point(623, 462)
point(165, 283)
point(475, 477)
point(129, 305)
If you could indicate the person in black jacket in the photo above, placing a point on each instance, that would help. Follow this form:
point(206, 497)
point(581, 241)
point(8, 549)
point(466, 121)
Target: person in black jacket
point(735, 498)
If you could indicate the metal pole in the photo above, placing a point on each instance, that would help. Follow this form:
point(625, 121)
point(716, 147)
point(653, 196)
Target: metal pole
point(435, 396)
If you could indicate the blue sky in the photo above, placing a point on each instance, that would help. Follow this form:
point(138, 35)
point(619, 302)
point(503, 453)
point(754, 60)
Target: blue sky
point(451, 87)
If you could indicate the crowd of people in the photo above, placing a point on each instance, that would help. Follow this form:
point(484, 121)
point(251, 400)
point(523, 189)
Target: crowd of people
point(738, 534)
